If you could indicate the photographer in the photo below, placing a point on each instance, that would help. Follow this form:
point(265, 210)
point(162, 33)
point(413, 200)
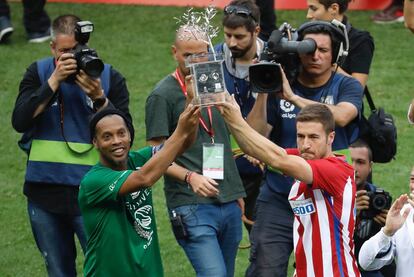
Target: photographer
point(271, 235)
point(394, 242)
point(369, 219)
point(53, 114)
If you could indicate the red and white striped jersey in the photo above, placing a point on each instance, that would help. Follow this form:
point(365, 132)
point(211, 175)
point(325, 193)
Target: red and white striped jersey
point(325, 220)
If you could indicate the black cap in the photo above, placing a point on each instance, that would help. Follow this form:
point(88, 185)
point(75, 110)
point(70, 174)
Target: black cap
point(110, 111)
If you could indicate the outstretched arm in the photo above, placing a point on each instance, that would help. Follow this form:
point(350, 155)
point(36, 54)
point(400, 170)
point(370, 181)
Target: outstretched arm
point(183, 136)
point(259, 147)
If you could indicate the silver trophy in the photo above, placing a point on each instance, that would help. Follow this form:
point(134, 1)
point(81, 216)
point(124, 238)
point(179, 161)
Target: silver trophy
point(208, 76)
point(207, 69)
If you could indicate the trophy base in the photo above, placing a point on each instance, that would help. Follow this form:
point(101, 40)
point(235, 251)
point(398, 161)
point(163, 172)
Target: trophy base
point(210, 99)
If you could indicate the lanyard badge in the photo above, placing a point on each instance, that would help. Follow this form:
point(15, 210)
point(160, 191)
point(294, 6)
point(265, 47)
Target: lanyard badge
point(213, 153)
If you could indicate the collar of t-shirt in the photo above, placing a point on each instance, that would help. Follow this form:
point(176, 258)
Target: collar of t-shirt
point(240, 71)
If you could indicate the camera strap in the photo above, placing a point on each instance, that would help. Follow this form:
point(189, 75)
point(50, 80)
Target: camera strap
point(62, 127)
point(209, 130)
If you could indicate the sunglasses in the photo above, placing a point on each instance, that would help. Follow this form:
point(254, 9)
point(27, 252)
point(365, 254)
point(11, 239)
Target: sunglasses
point(239, 10)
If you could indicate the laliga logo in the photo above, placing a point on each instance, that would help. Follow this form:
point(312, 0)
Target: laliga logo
point(286, 106)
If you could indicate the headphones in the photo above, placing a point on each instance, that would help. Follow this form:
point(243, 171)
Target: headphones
point(337, 31)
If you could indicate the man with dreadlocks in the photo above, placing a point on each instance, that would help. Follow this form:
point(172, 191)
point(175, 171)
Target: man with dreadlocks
point(115, 196)
point(205, 214)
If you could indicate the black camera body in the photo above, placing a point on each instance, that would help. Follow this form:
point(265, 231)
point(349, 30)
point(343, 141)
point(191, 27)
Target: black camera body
point(86, 58)
point(282, 50)
point(378, 201)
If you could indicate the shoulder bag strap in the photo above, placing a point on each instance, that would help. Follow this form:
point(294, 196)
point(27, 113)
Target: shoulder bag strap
point(369, 99)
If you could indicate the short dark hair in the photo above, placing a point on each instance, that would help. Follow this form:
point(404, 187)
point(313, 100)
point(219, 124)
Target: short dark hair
point(234, 20)
point(108, 111)
point(324, 28)
point(360, 143)
point(317, 113)
point(64, 24)
point(343, 4)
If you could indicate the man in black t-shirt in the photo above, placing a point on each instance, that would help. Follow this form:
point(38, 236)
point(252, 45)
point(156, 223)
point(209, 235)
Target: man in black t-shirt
point(361, 44)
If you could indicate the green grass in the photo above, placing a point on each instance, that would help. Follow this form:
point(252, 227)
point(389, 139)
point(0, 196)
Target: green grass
point(136, 40)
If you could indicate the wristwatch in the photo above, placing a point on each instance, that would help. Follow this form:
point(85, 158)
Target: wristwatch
point(99, 102)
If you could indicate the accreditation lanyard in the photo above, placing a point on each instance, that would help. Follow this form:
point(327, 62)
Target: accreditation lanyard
point(209, 130)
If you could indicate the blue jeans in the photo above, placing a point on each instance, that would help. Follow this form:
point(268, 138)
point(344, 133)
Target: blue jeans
point(271, 238)
point(54, 236)
point(214, 234)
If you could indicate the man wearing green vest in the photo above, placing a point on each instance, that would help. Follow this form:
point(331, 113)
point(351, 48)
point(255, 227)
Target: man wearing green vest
point(53, 113)
point(116, 199)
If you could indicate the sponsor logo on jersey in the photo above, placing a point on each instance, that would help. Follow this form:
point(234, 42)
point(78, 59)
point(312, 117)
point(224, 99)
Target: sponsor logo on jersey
point(302, 207)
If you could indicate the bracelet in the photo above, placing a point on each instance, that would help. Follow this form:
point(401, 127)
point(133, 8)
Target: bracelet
point(187, 177)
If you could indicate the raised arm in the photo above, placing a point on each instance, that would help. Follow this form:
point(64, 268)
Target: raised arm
point(202, 185)
point(259, 147)
point(183, 136)
point(380, 249)
point(34, 97)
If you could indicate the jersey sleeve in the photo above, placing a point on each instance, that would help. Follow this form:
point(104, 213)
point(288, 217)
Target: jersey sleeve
point(101, 185)
point(329, 175)
point(141, 156)
point(157, 117)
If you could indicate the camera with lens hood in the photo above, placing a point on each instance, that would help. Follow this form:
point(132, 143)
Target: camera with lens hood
point(86, 58)
point(282, 49)
point(378, 200)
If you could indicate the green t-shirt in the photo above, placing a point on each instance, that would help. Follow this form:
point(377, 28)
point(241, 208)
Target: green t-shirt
point(121, 230)
point(163, 108)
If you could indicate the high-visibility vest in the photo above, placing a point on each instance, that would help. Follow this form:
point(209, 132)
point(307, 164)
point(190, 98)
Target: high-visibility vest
point(50, 159)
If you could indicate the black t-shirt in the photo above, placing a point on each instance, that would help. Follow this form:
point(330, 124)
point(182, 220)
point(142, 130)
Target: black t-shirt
point(361, 51)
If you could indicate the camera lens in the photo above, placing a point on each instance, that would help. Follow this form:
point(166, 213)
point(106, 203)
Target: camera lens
point(379, 202)
point(93, 66)
point(265, 78)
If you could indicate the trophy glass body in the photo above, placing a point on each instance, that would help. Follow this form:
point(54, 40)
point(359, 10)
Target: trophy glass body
point(208, 78)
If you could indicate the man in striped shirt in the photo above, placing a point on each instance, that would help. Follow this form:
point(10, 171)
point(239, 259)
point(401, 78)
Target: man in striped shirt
point(323, 195)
